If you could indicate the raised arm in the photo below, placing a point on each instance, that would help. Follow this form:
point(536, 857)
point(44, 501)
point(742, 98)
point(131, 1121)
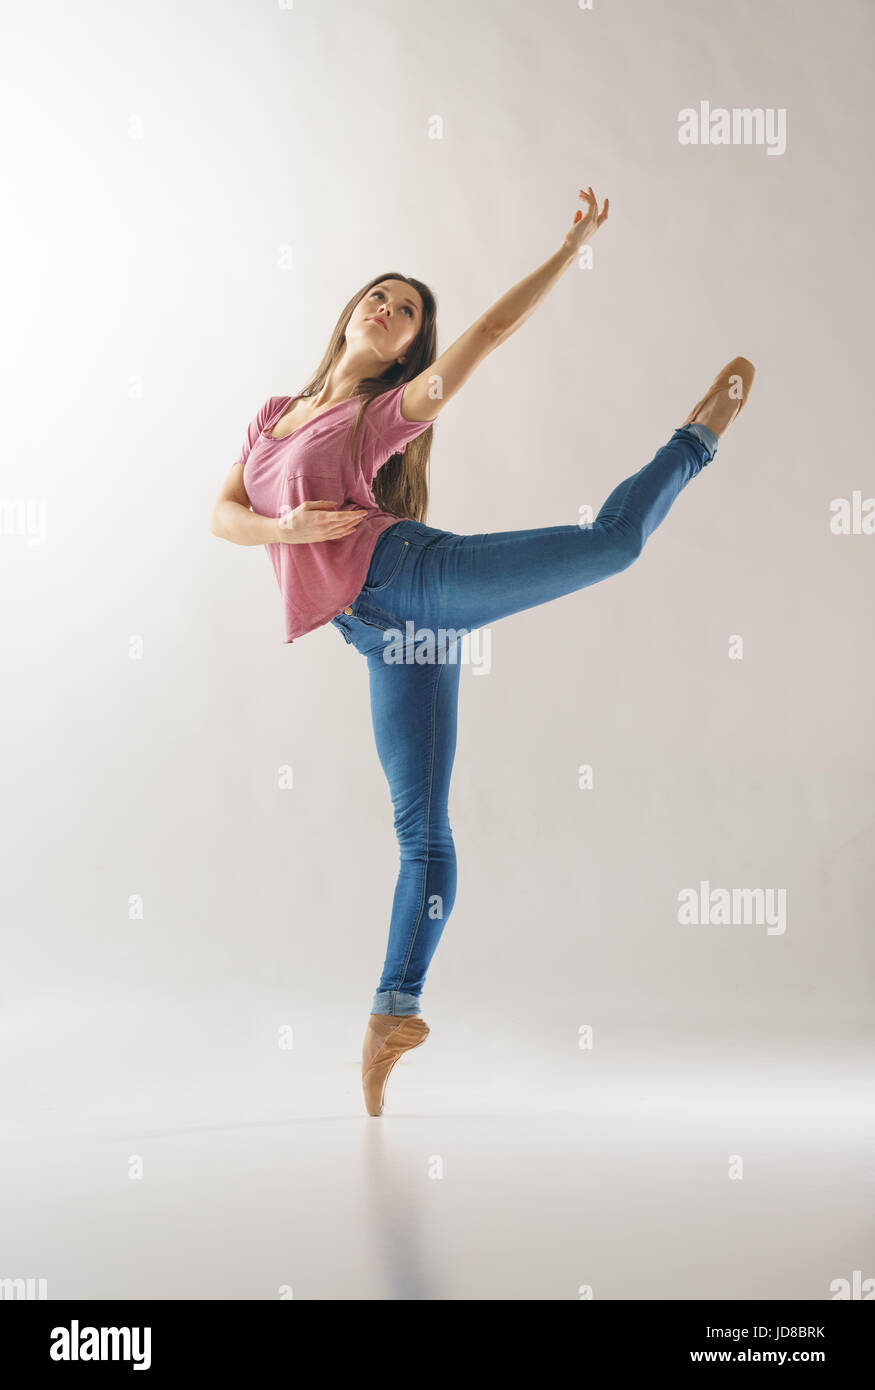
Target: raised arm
point(505, 316)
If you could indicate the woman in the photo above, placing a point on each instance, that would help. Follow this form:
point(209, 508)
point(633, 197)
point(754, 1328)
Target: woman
point(333, 483)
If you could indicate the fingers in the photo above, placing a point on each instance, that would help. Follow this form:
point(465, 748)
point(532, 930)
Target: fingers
point(592, 206)
point(342, 524)
point(327, 524)
point(324, 504)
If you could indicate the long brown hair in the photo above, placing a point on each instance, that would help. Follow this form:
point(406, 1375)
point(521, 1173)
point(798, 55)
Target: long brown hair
point(401, 483)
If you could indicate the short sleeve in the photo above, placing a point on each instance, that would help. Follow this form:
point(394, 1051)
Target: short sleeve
point(261, 421)
point(383, 415)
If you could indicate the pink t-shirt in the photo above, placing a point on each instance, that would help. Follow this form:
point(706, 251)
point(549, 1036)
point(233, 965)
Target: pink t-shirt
point(313, 463)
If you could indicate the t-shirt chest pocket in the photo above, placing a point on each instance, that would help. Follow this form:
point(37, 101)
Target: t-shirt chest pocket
point(308, 486)
point(319, 460)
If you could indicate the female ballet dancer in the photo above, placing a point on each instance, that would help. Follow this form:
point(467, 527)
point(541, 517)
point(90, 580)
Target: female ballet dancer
point(333, 483)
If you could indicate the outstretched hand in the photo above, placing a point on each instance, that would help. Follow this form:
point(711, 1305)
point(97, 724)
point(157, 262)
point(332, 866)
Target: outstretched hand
point(585, 225)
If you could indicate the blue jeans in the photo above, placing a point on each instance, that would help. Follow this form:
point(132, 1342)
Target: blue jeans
point(422, 579)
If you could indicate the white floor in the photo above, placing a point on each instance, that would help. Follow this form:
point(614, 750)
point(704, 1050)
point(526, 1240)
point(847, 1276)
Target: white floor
point(514, 1175)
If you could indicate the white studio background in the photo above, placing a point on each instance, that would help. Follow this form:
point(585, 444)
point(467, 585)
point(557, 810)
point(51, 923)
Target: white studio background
point(193, 192)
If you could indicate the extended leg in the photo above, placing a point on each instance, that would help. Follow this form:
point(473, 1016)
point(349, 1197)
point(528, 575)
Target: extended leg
point(465, 582)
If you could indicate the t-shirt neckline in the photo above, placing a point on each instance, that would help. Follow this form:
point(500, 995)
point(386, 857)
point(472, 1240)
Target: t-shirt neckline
point(290, 401)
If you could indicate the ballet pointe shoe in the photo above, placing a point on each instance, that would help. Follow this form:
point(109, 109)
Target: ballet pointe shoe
point(721, 403)
point(388, 1037)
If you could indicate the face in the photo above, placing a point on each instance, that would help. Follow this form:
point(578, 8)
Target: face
point(386, 320)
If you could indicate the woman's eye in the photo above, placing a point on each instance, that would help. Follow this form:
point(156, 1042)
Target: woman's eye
point(379, 294)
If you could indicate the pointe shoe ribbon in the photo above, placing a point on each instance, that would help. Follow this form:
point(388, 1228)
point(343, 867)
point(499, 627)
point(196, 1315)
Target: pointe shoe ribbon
point(387, 1038)
point(738, 367)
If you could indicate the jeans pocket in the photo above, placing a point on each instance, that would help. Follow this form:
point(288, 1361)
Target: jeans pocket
point(389, 555)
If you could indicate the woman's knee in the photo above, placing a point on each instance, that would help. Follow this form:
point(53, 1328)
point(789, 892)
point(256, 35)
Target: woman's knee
point(626, 544)
point(432, 844)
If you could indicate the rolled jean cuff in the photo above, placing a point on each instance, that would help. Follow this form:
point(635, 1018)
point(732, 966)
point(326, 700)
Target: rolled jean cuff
point(395, 1001)
point(705, 436)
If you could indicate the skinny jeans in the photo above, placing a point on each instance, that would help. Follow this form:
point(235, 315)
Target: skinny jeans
point(424, 590)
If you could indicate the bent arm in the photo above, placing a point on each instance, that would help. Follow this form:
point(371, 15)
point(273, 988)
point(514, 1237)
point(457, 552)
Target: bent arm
point(233, 519)
point(452, 368)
